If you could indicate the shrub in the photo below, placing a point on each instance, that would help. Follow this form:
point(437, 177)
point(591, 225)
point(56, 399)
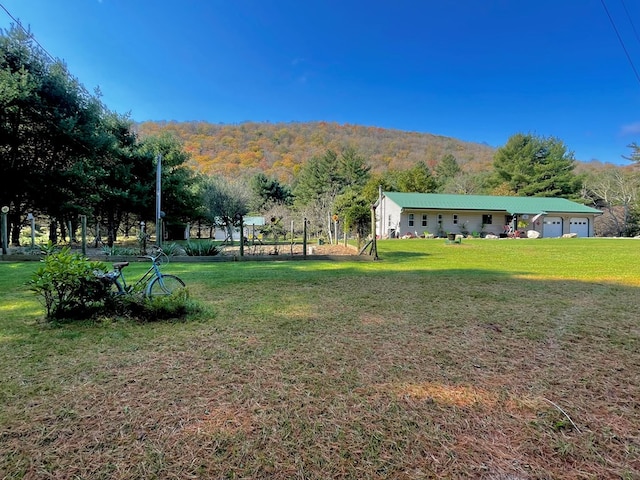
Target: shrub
point(67, 283)
point(201, 249)
point(172, 249)
point(175, 306)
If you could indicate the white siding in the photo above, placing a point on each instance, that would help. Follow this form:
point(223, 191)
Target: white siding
point(389, 215)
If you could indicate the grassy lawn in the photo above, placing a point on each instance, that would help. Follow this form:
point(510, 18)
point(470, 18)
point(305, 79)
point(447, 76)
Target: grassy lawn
point(510, 359)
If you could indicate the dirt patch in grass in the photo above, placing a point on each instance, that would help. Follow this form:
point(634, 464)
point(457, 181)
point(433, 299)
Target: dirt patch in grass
point(284, 250)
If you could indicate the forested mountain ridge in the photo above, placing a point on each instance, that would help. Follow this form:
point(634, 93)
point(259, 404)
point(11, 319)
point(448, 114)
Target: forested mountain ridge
point(280, 149)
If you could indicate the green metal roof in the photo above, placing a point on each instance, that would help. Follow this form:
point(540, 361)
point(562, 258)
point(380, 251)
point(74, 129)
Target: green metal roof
point(487, 203)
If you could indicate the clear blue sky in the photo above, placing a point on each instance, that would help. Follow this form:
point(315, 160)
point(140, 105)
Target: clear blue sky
point(477, 70)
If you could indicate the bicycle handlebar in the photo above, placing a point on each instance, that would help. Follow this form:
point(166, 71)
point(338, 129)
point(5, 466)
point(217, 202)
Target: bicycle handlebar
point(154, 258)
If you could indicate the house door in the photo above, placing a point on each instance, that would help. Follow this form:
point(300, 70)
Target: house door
point(552, 227)
point(579, 226)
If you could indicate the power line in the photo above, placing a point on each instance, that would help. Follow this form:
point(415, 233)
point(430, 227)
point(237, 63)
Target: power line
point(81, 88)
point(27, 33)
point(630, 20)
point(633, 67)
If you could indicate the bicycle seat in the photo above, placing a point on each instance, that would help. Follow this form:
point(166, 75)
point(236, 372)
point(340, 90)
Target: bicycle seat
point(120, 265)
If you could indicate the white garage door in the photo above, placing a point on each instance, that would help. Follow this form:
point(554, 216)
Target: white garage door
point(552, 227)
point(579, 226)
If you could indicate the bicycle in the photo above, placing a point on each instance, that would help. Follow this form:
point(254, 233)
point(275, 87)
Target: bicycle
point(155, 283)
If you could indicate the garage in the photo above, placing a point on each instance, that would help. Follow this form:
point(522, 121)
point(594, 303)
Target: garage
point(580, 226)
point(552, 227)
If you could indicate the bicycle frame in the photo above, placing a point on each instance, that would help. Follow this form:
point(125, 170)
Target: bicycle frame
point(121, 283)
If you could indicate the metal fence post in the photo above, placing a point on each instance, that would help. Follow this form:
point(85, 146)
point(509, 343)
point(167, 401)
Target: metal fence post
point(304, 239)
point(83, 233)
point(5, 236)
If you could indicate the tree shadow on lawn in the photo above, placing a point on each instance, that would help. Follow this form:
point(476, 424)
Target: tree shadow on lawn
point(351, 373)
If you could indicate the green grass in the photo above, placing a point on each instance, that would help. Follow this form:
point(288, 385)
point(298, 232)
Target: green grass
point(437, 361)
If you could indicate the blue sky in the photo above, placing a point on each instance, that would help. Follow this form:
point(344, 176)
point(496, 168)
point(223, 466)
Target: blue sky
point(477, 70)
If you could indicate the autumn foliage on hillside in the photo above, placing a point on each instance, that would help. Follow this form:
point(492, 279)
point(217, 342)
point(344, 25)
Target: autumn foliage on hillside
point(280, 149)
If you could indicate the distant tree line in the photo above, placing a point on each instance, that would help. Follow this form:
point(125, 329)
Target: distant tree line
point(64, 154)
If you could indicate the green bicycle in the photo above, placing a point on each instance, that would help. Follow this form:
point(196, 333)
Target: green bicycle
point(153, 283)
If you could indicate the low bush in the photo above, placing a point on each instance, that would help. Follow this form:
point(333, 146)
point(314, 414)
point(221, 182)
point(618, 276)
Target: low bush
point(172, 249)
point(67, 284)
point(201, 249)
point(175, 306)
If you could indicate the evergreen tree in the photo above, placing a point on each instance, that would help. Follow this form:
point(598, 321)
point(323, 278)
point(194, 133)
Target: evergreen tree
point(447, 168)
point(325, 177)
point(635, 153)
point(417, 179)
point(354, 211)
point(318, 179)
point(386, 181)
point(528, 165)
point(48, 122)
point(268, 192)
point(354, 170)
point(62, 153)
point(180, 198)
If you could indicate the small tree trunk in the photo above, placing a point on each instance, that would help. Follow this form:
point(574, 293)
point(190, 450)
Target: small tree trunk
point(110, 231)
point(15, 233)
point(63, 230)
point(229, 228)
point(53, 232)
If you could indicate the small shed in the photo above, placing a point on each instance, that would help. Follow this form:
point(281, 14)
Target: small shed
point(251, 224)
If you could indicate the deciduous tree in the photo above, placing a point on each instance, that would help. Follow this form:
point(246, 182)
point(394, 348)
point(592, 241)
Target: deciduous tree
point(617, 193)
point(226, 201)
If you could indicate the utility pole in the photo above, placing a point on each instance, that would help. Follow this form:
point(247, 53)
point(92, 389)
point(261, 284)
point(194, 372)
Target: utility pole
point(159, 200)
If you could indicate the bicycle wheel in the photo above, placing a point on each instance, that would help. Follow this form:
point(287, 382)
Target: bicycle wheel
point(164, 285)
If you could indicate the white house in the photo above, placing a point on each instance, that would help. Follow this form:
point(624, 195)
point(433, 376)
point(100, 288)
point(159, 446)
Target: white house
point(399, 214)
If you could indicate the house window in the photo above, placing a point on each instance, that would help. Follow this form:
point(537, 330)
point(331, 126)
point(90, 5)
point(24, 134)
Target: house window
point(389, 221)
point(487, 219)
point(440, 218)
point(411, 219)
point(455, 219)
point(424, 220)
